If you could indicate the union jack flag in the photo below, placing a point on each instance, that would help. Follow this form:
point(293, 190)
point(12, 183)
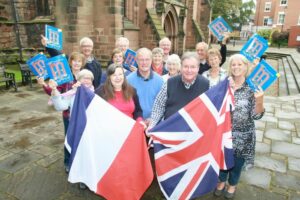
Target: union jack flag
point(192, 145)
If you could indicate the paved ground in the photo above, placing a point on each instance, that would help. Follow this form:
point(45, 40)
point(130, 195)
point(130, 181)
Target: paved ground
point(31, 140)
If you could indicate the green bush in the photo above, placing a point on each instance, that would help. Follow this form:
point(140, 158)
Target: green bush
point(265, 33)
point(280, 38)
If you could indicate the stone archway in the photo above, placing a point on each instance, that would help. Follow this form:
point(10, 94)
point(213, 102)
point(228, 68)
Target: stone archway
point(171, 27)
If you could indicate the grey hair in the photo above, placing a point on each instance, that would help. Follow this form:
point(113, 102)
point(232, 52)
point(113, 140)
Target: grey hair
point(158, 50)
point(188, 55)
point(84, 73)
point(142, 51)
point(205, 45)
point(86, 40)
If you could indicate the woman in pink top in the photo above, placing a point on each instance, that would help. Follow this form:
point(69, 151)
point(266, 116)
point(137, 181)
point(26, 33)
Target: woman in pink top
point(119, 93)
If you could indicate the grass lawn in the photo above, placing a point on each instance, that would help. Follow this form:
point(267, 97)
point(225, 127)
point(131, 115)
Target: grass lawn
point(14, 68)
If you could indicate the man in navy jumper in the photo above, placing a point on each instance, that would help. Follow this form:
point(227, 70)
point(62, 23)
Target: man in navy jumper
point(178, 91)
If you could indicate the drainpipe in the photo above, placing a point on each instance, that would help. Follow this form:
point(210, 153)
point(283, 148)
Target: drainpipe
point(16, 27)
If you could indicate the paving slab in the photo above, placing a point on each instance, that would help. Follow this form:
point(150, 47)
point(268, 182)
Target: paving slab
point(292, 116)
point(35, 184)
point(262, 148)
point(287, 181)
point(268, 162)
point(278, 134)
point(257, 177)
point(17, 162)
point(259, 135)
point(284, 148)
point(294, 164)
point(286, 125)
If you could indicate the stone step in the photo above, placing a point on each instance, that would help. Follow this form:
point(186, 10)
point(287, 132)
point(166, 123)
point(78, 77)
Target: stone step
point(295, 69)
point(283, 88)
point(292, 84)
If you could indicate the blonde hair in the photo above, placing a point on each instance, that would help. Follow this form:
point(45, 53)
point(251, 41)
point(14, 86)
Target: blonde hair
point(75, 56)
point(214, 52)
point(239, 57)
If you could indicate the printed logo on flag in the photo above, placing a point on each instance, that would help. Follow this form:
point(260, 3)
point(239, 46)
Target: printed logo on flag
point(59, 70)
point(130, 58)
point(37, 65)
point(262, 76)
point(218, 27)
point(254, 48)
point(54, 37)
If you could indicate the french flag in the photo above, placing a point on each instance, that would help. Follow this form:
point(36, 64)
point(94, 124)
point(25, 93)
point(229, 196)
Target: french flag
point(108, 149)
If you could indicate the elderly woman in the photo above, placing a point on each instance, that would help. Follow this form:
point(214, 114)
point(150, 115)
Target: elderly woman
point(248, 107)
point(120, 94)
point(65, 101)
point(76, 62)
point(173, 66)
point(215, 74)
point(157, 61)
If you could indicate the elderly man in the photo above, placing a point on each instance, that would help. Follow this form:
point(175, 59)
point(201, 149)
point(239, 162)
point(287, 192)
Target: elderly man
point(86, 48)
point(145, 81)
point(166, 45)
point(178, 91)
point(122, 43)
point(202, 48)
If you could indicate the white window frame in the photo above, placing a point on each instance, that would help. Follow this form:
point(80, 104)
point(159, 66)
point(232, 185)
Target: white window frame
point(268, 6)
point(265, 18)
point(286, 2)
point(278, 22)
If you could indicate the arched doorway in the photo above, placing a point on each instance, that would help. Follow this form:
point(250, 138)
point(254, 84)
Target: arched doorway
point(171, 27)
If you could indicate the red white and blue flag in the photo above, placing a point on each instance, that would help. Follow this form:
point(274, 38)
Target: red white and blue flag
point(193, 144)
point(108, 149)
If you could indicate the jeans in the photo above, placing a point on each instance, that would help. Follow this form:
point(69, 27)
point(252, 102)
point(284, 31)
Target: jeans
point(66, 153)
point(234, 173)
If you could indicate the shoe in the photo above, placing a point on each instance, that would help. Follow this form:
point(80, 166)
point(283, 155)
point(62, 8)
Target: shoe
point(82, 186)
point(67, 170)
point(218, 192)
point(229, 195)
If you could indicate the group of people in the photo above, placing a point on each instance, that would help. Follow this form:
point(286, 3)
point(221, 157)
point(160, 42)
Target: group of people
point(162, 84)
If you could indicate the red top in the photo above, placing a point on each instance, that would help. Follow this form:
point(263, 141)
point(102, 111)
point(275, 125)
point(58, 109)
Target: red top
point(158, 69)
point(126, 107)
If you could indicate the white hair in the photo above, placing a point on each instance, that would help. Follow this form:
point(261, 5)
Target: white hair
point(165, 40)
point(86, 40)
point(122, 39)
point(84, 73)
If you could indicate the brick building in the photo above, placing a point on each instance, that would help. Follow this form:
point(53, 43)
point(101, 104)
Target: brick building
point(280, 14)
point(144, 22)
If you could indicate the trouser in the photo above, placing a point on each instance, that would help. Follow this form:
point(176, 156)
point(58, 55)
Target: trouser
point(66, 153)
point(234, 173)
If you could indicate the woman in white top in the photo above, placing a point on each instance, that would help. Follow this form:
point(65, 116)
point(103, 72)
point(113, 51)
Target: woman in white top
point(215, 74)
point(173, 65)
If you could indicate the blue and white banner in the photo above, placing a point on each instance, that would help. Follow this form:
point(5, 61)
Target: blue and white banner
point(59, 70)
point(37, 65)
point(218, 27)
point(254, 48)
point(262, 76)
point(54, 37)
